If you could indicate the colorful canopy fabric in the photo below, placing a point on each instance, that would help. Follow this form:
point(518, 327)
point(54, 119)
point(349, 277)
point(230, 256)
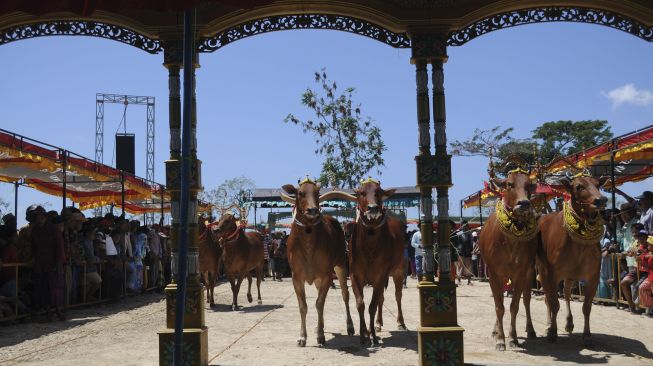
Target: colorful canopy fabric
point(90, 184)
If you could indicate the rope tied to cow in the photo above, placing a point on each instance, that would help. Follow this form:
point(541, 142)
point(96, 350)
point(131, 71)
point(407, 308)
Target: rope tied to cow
point(583, 230)
point(234, 235)
point(511, 226)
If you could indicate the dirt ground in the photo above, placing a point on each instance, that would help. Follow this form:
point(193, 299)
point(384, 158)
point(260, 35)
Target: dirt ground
point(126, 333)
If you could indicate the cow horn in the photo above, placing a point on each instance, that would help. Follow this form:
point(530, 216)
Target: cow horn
point(337, 195)
point(286, 198)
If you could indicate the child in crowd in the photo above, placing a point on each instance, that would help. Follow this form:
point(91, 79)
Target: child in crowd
point(646, 288)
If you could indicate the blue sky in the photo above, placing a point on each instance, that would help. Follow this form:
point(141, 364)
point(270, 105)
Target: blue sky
point(518, 77)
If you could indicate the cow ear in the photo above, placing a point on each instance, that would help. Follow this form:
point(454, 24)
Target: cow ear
point(497, 184)
point(290, 189)
point(565, 182)
point(388, 193)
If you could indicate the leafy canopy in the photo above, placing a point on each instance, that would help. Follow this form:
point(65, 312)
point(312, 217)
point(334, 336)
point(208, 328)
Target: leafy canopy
point(351, 145)
point(231, 191)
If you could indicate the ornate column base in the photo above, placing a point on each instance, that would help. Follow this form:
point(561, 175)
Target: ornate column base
point(441, 346)
point(196, 339)
point(196, 346)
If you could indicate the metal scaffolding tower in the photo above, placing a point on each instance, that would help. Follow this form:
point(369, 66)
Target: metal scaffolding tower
point(100, 99)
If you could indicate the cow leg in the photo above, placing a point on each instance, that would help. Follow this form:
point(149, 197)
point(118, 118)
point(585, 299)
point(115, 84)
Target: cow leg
point(211, 286)
point(360, 306)
point(259, 278)
point(298, 284)
point(553, 305)
point(205, 281)
point(379, 313)
point(518, 287)
point(249, 287)
point(236, 290)
point(530, 331)
point(374, 303)
point(569, 327)
point(344, 290)
point(590, 290)
point(398, 279)
point(496, 284)
point(322, 286)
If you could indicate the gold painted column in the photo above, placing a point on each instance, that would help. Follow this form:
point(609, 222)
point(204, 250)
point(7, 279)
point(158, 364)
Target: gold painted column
point(440, 339)
point(195, 346)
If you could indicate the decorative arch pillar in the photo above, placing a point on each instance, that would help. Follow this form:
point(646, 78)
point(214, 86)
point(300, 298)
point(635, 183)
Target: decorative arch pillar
point(440, 339)
point(195, 332)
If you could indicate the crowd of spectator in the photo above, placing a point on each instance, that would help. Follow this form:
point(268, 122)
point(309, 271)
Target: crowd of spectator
point(61, 259)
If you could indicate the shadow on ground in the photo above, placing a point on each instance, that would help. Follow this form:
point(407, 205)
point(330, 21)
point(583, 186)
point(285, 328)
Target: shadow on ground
point(249, 308)
point(27, 329)
point(568, 348)
point(351, 344)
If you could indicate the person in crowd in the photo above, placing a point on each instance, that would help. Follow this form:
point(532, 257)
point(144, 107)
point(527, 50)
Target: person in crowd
point(8, 231)
point(644, 204)
point(47, 249)
point(646, 288)
point(476, 255)
point(464, 246)
point(609, 245)
point(140, 250)
point(642, 266)
point(640, 235)
point(280, 256)
point(166, 247)
point(121, 236)
point(266, 253)
point(416, 242)
point(112, 274)
point(411, 254)
point(154, 245)
point(92, 279)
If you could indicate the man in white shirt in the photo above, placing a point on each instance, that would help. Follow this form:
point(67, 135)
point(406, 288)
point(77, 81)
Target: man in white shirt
point(416, 242)
point(645, 205)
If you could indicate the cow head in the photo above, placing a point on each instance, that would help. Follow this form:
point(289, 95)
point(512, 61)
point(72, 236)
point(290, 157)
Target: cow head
point(516, 189)
point(227, 225)
point(306, 199)
point(369, 198)
point(584, 192)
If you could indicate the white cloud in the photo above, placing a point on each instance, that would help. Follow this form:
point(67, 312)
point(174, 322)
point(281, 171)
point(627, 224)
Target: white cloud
point(629, 94)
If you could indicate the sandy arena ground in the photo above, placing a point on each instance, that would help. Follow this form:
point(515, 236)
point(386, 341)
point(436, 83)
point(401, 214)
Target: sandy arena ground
point(126, 333)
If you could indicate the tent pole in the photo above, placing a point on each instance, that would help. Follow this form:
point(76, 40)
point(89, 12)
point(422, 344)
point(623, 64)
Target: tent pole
point(122, 192)
point(614, 200)
point(162, 197)
point(64, 163)
point(255, 216)
point(16, 185)
point(461, 210)
point(480, 207)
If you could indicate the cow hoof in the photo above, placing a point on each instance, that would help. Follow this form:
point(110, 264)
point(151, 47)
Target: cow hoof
point(249, 298)
point(551, 336)
point(530, 334)
point(587, 340)
point(301, 342)
point(375, 341)
point(377, 328)
point(260, 302)
point(321, 341)
point(234, 307)
point(212, 305)
point(402, 327)
point(500, 347)
point(350, 330)
point(513, 343)
point(365, 342)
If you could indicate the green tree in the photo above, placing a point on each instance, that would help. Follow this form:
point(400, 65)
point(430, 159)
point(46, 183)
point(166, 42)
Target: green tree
point(351, 145)
point(562, 138)
point(482, 142)
point(231, 191)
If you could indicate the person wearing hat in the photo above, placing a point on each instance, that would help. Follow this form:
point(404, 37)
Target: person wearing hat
point(644, 204)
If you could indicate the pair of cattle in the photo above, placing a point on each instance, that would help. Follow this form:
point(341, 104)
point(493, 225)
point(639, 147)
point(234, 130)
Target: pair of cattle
point(564, 246)
point(316, 248)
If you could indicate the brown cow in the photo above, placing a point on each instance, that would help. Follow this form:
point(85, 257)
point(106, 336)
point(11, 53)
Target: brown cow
point(376, 252)
point(570, 249)
point(508, 244)
point(242, 253)
point(210, 254)
point(316, 247)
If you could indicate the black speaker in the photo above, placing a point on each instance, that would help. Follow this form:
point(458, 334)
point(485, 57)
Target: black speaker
point(125, 148)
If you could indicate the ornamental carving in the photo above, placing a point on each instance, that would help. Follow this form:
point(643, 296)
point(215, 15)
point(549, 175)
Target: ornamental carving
point(433, 171)
point(550, 14)
point(80, 28)
point(303, 21)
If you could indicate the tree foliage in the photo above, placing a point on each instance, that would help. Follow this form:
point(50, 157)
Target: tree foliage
point(351, 144)
point(549, 141)
point(231, 191)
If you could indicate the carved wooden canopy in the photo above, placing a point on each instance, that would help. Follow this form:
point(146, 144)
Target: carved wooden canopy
point(149, 24)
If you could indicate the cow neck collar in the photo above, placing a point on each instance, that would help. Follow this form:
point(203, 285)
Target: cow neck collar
point(234, 235)
point(305, 225)
point(360, 217)
point(514, 228)
point(583, 229)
